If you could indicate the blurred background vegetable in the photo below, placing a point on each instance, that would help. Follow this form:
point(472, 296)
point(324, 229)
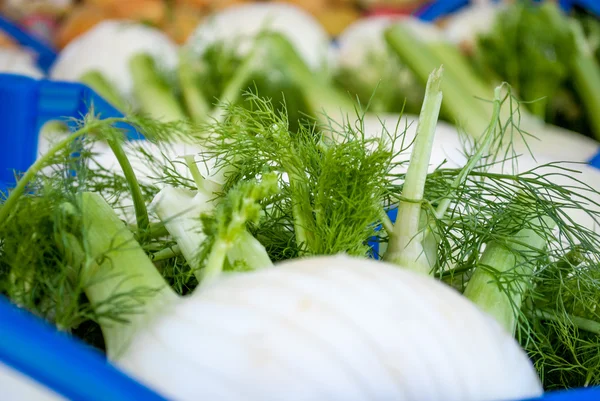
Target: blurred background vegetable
point(549, 62)
point(379, 56)
point(116, 58)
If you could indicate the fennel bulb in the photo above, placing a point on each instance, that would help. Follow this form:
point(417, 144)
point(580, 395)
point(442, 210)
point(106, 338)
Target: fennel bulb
point(108, 48)
point(333, 194)
point(329, 328)
point(179, 209)
point(366, 67)
point(463, 27)
point(277, 51)
point(361, 38)
point(238, 26)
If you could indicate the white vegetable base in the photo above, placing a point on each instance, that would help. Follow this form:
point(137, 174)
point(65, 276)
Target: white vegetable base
point(108, 47)
point(238, 26)
point(469, 22)
point(330, 328)
point(360, 39)
point(229, 342)
point(550, 144)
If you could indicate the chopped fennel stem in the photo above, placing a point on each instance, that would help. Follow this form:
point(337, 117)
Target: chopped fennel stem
point(429, 235)
point(101, 85)
point(166, 253)
point(249, 250)
point(460, 91)
point(405, 244)
point(190, 161)
point(180, 210)
point(195, 102)
point(386, 222)
point(152, 91)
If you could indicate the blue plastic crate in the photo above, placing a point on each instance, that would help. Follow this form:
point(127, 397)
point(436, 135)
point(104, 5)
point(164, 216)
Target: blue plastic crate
point(54, 359)
point(27, 104)
point(434, 10)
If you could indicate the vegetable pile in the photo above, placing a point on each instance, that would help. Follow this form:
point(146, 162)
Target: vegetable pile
point(253, 275)
point(555, 68)
point(279, 234)
point(378, 64)
point(548, 57)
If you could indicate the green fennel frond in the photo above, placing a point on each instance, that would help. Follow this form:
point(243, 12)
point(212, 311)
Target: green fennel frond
point(333, 186)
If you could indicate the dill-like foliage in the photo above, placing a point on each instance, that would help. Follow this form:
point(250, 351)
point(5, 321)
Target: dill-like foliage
point(42, 240)
point(558, 294)
point(333, 180)
point(40, 252)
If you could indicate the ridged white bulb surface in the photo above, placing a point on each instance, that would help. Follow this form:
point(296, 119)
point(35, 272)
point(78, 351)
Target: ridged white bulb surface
point(330, 328)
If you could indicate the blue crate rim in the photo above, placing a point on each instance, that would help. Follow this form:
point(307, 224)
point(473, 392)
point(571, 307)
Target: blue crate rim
point(54, 359)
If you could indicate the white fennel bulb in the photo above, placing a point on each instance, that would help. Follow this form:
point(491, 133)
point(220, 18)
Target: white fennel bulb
point(364, 39)
point(559, 143)
point(329, 328)
point(18, 386)
point(18, 61)
point(463, 26)
point(361, 38)
point(108, 47)
point(237, 26)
